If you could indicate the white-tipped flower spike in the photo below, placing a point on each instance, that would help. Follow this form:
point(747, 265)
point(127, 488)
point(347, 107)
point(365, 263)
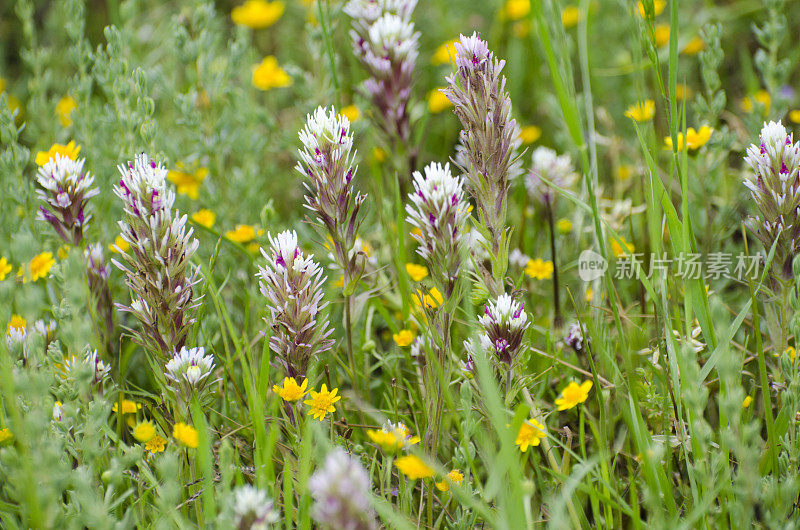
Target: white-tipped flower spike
point(341, 494)
point(556, 168)
point(385, 42)
point(575, 337)
point(158, 264)
point(468, 365)
point(774, 185)
point(95, 263)
point(65, 192)
point(21, 341)
point(292, 283)
point(143, 188)
point(252, 508)
point(46, 329)
point(58, 413)
point(503, 324)
point(90, 361)
point(368, 11)
point(17, 342)
point(98, 272)
point(326, 160)
point(489, 140)
point(421, 348)
point(440, 212)
point(189, 371)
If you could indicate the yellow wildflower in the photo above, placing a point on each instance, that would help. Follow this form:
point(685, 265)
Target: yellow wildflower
point(624, 172)
point(516, 9)
point(392, 440)
point(413, 467)
point(16, 322)
point(694, 139)
point(128, 407)
point(386, 440)
point(156, 444)
point(40, 265)
point(70, 151)
point(5, 435)
point(187, 182)
point(564, 226)
point(658, 8)
point(530, 434)
point(641, 111)
point(144, 431)
point(589, 294)
point(573, 394)
point(539, 269)
point(445, 53)
point(185, 434)
point(454, 476)
point(416, 272)
point(762, 97)
point(242, 234)
point(351, 112)
point(694, 46)
point(119, 244)
point(521, 29)
point(321, 402)
point(204, 217)
point(430, 300)
point(794, 115)
point(437, 101)
point(682, 92)
point(661, 34)
point(63, 252)
point(378, 154)
point(268, 74)
point(5, 268)
point(404, 337)
point(617, 249)
point(570, 16)
point(64, 109)
point(529, 134)
point(791, 352)
point(291, 391)
point(257, 14)
point(747, 401)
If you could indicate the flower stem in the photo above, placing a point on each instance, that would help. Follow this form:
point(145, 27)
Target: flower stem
point(349, 332)
point(558, 320)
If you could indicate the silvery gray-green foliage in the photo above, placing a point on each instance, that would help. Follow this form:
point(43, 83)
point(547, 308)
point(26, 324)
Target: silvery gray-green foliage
point(771, 35)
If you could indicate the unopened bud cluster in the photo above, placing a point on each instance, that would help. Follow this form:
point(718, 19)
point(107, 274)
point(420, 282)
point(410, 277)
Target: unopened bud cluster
point(774, 186)
point(385, 42)
point(65, 191)
point(292, 284)
point(326, 160)
point(158, 263)
point(440, 212)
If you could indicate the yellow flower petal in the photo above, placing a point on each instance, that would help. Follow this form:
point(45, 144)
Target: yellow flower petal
point(404, 337)
point(437, 102)
point(70, 151)
point(268, 75)
point(257, 14)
